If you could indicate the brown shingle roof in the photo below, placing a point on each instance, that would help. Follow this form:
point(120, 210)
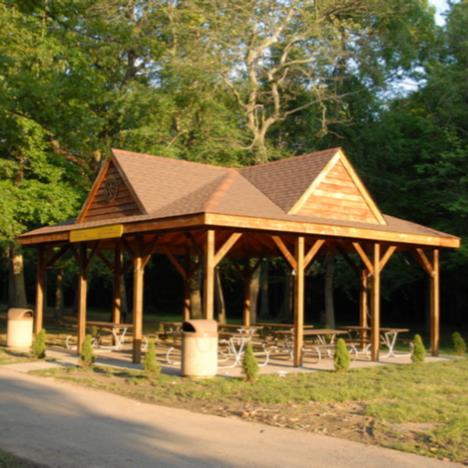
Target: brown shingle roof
point(168, 188)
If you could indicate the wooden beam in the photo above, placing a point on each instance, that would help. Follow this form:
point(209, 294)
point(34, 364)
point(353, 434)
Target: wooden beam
point(138, 285)
point(208, 283)
point(299, 302)
point(247, 303)
point(175, 263)
point(106, 262)
point(365, 259)
point(54, 258)
point(226, 247)
point(435, 303)
point(424, 261)
point(187, 306)
point(375, 317)
point(82, 294)
point(285, 251)
point(312, 252)
point(363, 303)
point(388, 254)
point(40, 290)
point(93, 252)
point(117, 290)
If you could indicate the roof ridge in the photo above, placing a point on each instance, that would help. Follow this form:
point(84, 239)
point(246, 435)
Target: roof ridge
point(288, 159)
point(218, 193)
point(164, 158)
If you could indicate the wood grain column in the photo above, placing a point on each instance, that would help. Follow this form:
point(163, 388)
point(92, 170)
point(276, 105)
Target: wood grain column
point(299, 302)
point(208, 283)
point(82, 293)
point(247, 304)
point(435, 301)
point(40, 289)
point(363, 303)
point(375, 318)
point(117, 293)
point(138, 280)
point(187, 306)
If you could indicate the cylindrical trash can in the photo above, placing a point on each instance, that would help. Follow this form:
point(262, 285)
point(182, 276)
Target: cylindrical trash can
point(199, 348)
point(20, 329)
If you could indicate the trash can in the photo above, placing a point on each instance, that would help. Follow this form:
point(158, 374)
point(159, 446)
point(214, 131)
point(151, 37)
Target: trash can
point(20, 329)
point(199, 348)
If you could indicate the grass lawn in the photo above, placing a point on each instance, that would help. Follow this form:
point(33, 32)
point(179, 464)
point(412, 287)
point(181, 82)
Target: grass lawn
point(8, 357)
point(416, 408)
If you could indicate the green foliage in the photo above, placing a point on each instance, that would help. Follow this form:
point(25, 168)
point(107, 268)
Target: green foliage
point(249, 364)
point(87, 356)
point(342, 358)
point(39, 346)
point(418, 353)
point(151, 365)
point(459, 345)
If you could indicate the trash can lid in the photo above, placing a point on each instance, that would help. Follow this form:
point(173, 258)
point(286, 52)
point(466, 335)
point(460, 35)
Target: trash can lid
point(200, 326)
point(19, 314)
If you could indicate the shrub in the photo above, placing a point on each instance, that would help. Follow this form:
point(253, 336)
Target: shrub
point(39, 347)
point(459, 344)
point(151, 365)
point(419, 351)
point(342, 359)
point(249, 364)
point(87, 356)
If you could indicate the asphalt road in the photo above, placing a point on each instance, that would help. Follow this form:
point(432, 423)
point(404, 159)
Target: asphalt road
point(62, 425)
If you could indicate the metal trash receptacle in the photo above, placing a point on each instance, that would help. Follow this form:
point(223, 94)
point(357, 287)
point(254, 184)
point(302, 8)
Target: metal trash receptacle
point(20, 329)
point(199, 348)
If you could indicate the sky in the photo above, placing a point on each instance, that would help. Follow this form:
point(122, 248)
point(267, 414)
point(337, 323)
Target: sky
point(441, 6)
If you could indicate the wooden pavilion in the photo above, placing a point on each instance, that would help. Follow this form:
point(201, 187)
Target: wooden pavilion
point(298, 208)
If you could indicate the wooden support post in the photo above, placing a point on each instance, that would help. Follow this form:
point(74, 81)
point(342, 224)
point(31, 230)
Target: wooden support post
point(247, 306)
point(40, 288)
point(82, 293)
point(299, 302)
point(117, 297)
point(375, 318)
point(138, 277)
point(363, 304)
point(208, 283)
point(435, 312)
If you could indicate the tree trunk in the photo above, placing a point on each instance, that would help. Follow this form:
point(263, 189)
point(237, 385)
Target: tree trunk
point(195, 294)
point(254, 293)
point(264, 310)
point(59, 294)
point(17, 277)
point(329, 302)
point(219, 298)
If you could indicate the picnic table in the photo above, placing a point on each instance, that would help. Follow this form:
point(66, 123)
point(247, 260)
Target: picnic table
point(388, 336)
point(235, 343)
point(118, 330)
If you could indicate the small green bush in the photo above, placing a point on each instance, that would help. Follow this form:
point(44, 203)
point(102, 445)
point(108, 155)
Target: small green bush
point(151, 365)
point(342, 359)
point(94, 331)
point(459, 345)
point(39, 347)
point(419, 351)
point(249, 364)
point(87, 356)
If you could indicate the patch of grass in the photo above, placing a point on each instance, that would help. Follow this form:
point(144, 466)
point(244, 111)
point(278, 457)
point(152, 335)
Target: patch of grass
point(417, 408)
point(9, 357)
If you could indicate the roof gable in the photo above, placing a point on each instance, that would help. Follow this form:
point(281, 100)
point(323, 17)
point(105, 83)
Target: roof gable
point(110, 197)
point(338, 193)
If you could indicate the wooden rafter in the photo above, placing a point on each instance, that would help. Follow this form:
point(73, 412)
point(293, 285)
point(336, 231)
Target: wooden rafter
point(285, 251)
point(226, 247)
point(313, 251)
point(424, 261)
point(386, 257)
point(106, 262)
point(57, 256)
point(175, 263)
point(362, 254)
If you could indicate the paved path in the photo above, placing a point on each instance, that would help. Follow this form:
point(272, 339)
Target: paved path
point(62, 425)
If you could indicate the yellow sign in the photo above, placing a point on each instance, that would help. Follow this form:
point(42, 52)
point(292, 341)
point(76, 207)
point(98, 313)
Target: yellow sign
point(105, 232)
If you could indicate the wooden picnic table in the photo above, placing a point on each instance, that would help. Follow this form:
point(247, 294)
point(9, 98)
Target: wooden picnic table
point(118, 330)
point(388, 335)
point(279, 325)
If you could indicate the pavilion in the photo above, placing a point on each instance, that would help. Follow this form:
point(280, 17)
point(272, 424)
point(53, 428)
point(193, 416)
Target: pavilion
point(299, 208)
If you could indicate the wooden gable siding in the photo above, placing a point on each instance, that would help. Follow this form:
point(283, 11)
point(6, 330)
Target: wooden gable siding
point(123, 204)
point(338, 197)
